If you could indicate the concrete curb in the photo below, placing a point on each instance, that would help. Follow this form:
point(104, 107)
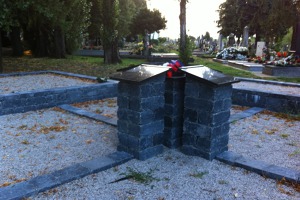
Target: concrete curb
point(245, 114)
point(90, 115)
point(45, 182)
point(259, 167)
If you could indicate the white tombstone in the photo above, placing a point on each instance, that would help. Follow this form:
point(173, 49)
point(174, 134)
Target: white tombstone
point(259, 48)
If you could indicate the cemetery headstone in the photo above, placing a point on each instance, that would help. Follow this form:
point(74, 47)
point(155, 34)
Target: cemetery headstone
point(259, 48)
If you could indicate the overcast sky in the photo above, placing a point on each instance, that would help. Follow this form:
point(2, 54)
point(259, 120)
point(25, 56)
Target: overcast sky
point(201, 17)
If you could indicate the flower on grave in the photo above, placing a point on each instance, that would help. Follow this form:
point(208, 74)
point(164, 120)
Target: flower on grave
point(233, 53)
point(174, 66)
point(279, 54)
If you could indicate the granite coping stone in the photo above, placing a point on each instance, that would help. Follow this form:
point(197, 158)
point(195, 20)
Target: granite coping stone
point(88, 114)
point(45, 182)
point(247, 113)
point(268, 81)
point(259, 167)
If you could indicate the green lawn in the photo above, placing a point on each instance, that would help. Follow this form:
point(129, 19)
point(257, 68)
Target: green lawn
point(240, 73)
point(94, 66)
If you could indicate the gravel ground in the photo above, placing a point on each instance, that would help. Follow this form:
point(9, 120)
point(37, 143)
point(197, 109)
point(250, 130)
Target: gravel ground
point(173, 175)
point(37, 82)
point(290, 90)
point(35, 143)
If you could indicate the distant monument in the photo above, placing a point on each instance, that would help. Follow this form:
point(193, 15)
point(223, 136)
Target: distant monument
point(220, 42)
point(245, 37)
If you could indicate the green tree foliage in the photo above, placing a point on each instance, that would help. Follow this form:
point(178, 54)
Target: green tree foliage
point(9, 18)
point(146, 22)
point(95, 20)
point(109, 30)
point(53, 27)
point(266, 18)
point(50, 27)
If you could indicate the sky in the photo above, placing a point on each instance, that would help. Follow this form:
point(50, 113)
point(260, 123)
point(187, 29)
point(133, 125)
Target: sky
point(201, 17)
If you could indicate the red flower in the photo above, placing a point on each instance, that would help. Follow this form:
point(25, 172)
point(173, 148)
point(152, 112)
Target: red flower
point(279, 54)
point(284, 54)
point(169, 74)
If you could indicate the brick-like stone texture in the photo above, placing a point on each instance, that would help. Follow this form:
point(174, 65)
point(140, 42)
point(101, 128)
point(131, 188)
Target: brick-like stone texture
point(206, 115)
point(141, 117)
point(174, 103)
point(269, 101)
point(40, 99)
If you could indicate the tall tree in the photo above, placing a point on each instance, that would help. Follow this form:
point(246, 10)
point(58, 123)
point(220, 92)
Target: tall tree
point(183, 36)
point(265, 18)
point(6, 21)
point(146, 22)
point(295, 44)
point(51, 30)
point(109, 30)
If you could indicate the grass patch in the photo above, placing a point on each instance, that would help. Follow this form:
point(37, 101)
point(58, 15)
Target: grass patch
point(140, 177)
point(92, 66)
point(199, 174)
point(239, 73)
point(283, 135)
point(224, 69)
point(296, 152)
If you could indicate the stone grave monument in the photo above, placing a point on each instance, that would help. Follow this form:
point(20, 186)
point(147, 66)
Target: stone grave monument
point(259, 48)
point(190, 111)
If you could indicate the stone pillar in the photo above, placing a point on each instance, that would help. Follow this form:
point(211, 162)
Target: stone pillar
point(174, 102)
point(141, 117)
point(245, 37)
point(220, 42)
point(206, 115)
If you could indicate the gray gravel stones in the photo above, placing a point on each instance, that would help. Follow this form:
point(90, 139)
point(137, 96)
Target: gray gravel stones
point(37, 143)
point(14, 84)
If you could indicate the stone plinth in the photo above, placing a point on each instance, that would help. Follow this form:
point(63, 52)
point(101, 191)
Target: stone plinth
point(207, 106)
point(174, 103)
point(141, 111)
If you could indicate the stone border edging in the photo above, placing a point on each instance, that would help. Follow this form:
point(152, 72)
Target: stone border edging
point(48, 181)
point(268, 81)
point(245, 114)
point(259, 167)
point(90, 115)
point(20, 102)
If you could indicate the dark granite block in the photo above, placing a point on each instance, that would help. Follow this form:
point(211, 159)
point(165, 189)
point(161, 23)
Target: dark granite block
point(70, 173)
point(149, 153)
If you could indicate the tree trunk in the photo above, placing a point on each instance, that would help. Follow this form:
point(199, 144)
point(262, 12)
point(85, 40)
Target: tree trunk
point(59, 50)
point(115, 52)
point(182, 18)
point(295, 45)
point(17, 46)
point(111, 53)
point(1, 64)
point(146, 44)
point(41, 44)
